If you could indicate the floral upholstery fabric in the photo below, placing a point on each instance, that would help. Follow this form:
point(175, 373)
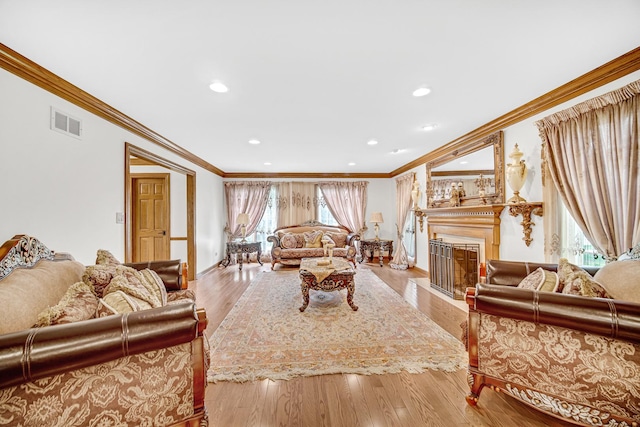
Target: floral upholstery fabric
point(149, 389)
point(550, 367)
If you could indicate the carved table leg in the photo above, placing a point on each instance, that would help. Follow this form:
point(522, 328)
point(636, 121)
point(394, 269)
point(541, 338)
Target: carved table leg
point(351, 290)
point(305, 295)
point(260, 256)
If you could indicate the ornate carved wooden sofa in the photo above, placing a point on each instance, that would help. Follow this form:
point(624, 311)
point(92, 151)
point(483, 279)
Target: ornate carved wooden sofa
point(574, 357)
point(292, 243)
point(138, 368)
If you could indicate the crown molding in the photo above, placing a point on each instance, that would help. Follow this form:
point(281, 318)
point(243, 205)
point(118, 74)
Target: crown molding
point(41, 77)
point(314, 175)
point(28, 70)
point(612, 70)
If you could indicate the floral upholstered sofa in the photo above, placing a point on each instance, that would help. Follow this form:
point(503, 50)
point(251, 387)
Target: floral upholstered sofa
point(102, 345)
point(294, 242)
point(559, 339)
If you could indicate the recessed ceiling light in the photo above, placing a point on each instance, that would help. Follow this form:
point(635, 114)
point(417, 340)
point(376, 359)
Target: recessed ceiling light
point(430, 126)
point(398, 151)
point(372, 142)
point(267, 163)
point(218, 87)
point(464, 162)
point(254, 141)
point(351, 163)
point(422, 91)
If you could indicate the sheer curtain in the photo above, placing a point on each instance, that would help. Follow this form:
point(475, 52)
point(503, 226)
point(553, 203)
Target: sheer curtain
point(248, 197)
point(593, 157)
point(296, 202)
point(404, 185)
point(347, 202)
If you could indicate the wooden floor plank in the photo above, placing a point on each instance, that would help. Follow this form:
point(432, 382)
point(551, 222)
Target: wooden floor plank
point(433, 398)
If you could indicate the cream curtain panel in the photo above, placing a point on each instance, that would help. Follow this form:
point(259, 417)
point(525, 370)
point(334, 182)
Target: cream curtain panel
point(404, 185)
point(347, 202)
point(592, 156)
point(296, 202)
point(248, 197)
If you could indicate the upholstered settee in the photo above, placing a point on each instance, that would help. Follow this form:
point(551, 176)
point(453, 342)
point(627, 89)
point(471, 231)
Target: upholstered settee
point(292, 243)
point(573, 356)
point(137, 367)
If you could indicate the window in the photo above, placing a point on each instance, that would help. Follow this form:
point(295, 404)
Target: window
point(267, 224)
point(575, 246)
point(409, 234)
point(324, 214)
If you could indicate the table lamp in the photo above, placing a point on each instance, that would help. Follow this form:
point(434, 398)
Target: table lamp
point(243, 220)
point(376, 218)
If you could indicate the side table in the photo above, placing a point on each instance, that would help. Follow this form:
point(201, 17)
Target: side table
point(371, 245)
point(241, 249)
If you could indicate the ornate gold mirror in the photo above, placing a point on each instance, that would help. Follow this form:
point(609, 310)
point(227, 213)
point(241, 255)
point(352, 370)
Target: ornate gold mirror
point(468, 175)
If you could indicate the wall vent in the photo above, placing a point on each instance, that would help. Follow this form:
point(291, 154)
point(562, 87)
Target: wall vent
point(64, 123)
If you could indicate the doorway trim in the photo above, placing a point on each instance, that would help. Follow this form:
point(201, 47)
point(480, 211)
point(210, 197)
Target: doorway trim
point(132, 150)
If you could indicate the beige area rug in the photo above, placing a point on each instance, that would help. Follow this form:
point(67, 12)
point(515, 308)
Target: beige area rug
point(266, 336)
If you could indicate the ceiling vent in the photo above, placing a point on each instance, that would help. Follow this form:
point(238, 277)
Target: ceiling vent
point(64, 123)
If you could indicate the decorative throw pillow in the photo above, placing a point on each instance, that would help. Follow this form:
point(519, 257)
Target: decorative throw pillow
point(327, 238)
point(621, 279)
point(105, 257)
point(181, 295)
point(299, 240)
point(154, 283)
point(288, 241)
point(312, 239)
point(118, 302)
point(133, 283)
point(340, 239)
point(78, 303)
point(550, 282)
point(576, 281)
point(99, 277)
point(533, 280)
point(581, 283)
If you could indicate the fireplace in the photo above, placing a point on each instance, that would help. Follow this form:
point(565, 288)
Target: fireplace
point(453, 267)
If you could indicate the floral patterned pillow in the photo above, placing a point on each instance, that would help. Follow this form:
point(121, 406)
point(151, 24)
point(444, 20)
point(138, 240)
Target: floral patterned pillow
point(288, 241)
point(533, 280)
point(340, 239)
point(104, 257)
point(78, 303)
point(540, 280)
point(576, 281)
point(312, 239)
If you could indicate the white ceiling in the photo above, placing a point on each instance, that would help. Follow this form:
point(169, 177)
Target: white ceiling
point(315, 80)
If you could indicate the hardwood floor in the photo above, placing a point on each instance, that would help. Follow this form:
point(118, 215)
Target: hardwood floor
point(433, 398)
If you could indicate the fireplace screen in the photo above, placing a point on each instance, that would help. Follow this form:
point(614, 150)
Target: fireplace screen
point(453, 267)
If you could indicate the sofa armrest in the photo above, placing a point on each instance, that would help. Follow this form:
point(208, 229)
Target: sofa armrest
point(275, 240)
point(352, 238)
point(610, 318)
point(42, 352)
point(172, 272)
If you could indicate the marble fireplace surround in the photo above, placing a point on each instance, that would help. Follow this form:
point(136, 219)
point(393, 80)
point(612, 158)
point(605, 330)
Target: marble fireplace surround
point(476, 222)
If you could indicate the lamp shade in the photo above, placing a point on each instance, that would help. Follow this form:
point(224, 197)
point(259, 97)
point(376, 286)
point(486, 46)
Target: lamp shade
point(376, 217)
point(243, 219)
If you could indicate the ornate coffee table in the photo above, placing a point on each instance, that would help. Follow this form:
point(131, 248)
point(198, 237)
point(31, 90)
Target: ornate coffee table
point(333, 277)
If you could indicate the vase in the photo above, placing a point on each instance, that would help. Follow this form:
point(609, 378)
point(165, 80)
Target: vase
point(516, 173)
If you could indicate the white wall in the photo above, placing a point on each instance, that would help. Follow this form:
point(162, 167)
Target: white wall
point(525, 134)
point(66, 191)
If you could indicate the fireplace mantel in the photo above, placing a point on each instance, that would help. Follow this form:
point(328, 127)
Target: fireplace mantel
point(480, 222)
